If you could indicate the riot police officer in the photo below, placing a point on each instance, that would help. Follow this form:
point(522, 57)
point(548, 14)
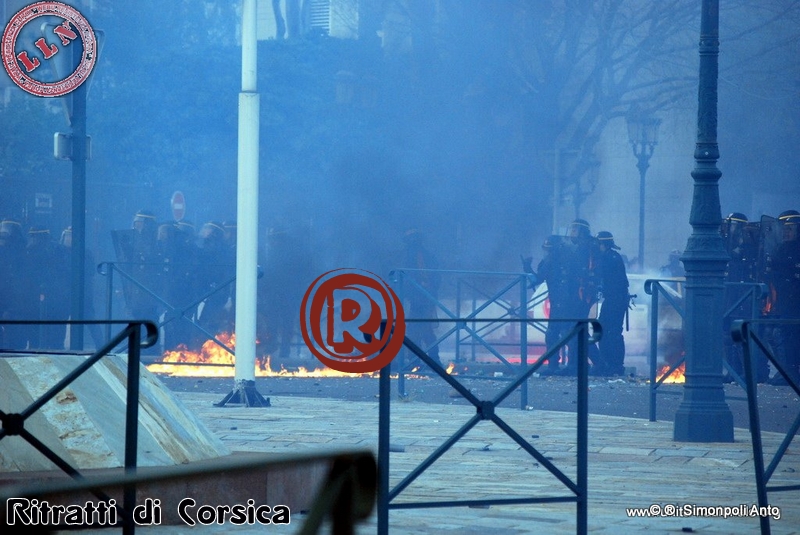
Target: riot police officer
point(216, 315)
point(47, 290)
point(417, 304)
point(552, 270)
point(785, 282)
point(613, 286)
point(741, 250)
point(741, 269)
point(144, 255)
point(581, 291)
point(12, 298)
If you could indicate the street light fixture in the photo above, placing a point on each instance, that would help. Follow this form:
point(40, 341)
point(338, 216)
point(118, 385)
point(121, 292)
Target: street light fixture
point(643, 136)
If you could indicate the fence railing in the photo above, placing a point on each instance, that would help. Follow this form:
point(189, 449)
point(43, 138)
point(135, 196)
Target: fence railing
point(486, 410)
point(172, 312)
point(14, 423)
point(753, 343)
point(739, 294)
point(347, 495)
point(469, 296)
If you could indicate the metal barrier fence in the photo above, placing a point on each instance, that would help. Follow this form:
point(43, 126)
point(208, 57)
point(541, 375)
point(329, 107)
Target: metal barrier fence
point(172, 312)
point(743, 332)
point(348, 493)
point(485, 410)
point(661, 288)
point(472, 301)
point(14, 423)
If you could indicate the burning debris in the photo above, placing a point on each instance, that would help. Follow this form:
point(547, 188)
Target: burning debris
point(677, 376)
point(213, 360)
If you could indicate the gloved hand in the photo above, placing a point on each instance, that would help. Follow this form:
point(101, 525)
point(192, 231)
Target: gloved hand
point(527, 263)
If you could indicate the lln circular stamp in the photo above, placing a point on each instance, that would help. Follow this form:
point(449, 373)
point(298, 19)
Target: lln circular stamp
point(23, 59)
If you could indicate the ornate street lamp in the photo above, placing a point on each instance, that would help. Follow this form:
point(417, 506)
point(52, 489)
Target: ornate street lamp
point(643, 136)
point(703, 415)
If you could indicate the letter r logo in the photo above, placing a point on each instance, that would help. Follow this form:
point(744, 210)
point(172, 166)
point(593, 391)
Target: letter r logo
point(341, 316)
point(359, 315)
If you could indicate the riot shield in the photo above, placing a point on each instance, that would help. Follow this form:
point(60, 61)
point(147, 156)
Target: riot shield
point(769, 240)
point(123, 248)
point(741, 240)
point(123, 244)
point(751, 241)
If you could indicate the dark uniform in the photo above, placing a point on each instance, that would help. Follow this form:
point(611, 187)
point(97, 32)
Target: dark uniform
point(90, 271)
point(47, 289)
point(552, 270)
point(144, 268)
point(581, 291)
point(417, 304)
point(216, 315)
point(785, 281)
point(743, 251)
point(582, 263)
point(12, 295)
point(287, 273)
point(177, 258)
point(613, 285)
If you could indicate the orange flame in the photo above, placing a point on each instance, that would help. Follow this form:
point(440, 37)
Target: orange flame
point(215, 361)
point(212, 360)
point(678, 375)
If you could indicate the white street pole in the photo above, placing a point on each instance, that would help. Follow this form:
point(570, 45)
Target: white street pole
point(247, 204)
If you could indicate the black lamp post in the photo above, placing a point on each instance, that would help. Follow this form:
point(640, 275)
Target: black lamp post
point(703, 415)
point(643, 136)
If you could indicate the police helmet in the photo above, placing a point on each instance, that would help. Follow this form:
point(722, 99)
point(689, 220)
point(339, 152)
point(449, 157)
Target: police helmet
point(144, 215)
point(185, 226)
point(144, 219)
point(738, 217)
point(38, 235)
point(212, 230)
point(580, 224)
point(789, 217)
point(551, 242)
point(607, 239)
point(10, 227)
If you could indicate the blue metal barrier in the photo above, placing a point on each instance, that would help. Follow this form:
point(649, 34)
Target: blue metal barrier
point(474, 328)
point(14, 423)
point(485, 410)
point(173, 312)
point(743, 333)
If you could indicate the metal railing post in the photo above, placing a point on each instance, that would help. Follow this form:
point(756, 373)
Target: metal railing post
point(457, 356)
point(523, 339)
point(131, 425)
point(384, 404)
point(583, 430)
point(653, 348)
point(755, 428)
point(109, 297)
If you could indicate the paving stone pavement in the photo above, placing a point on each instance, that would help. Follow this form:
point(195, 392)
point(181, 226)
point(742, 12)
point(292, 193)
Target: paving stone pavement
point(632, 463)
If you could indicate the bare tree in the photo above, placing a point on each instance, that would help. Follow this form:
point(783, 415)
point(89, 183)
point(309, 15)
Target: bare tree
point(576, 65)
